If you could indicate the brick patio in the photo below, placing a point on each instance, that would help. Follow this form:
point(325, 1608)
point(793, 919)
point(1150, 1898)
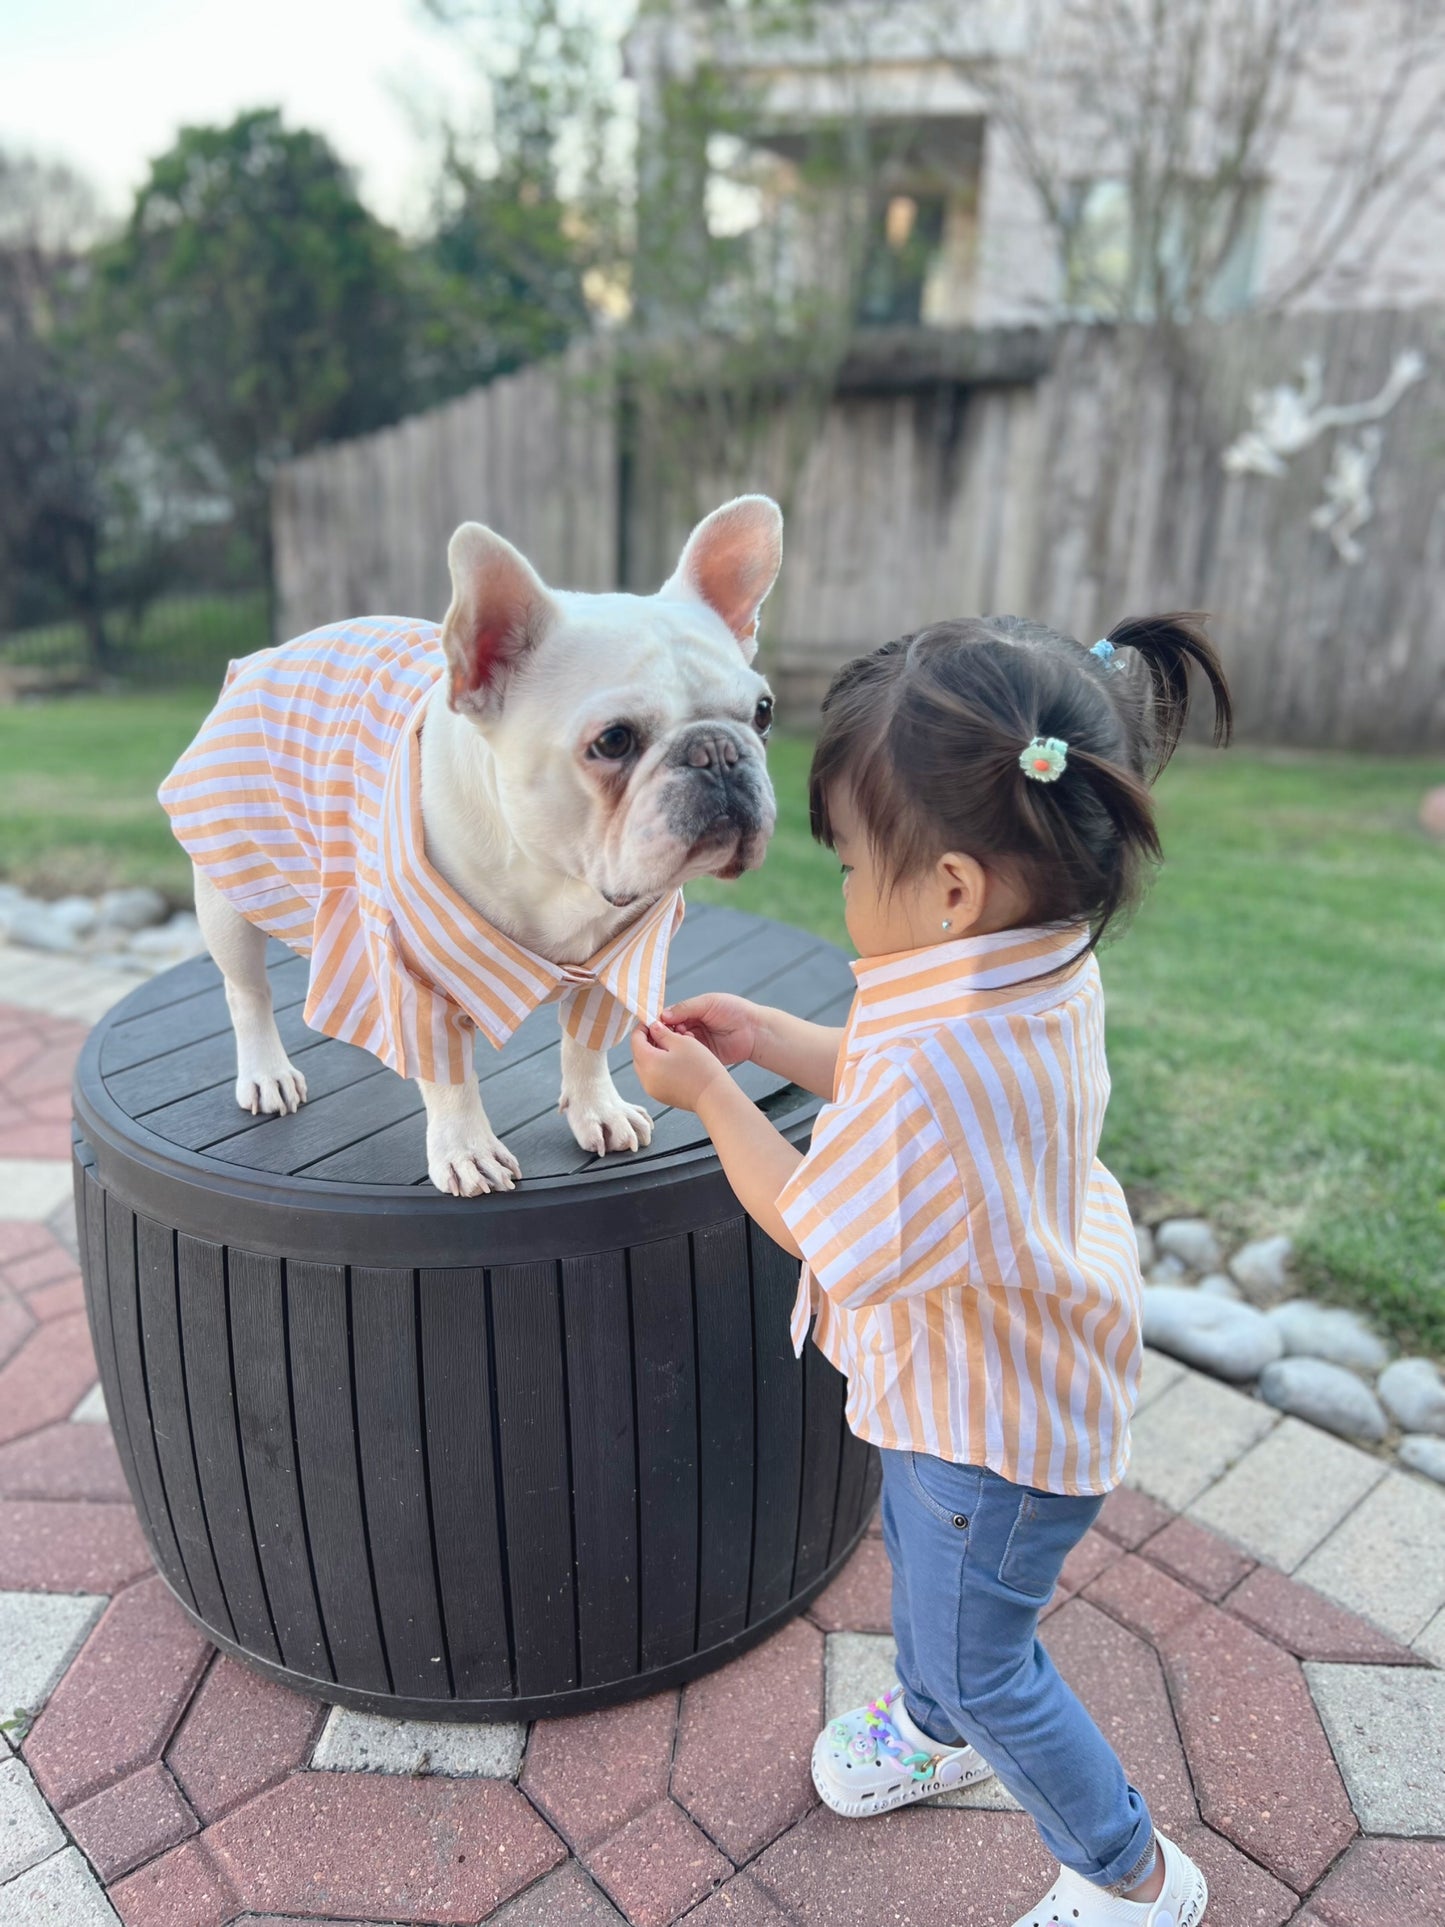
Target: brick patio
point(1258, 1623)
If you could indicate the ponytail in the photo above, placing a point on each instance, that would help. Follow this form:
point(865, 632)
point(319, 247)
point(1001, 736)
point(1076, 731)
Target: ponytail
point(1169, 646)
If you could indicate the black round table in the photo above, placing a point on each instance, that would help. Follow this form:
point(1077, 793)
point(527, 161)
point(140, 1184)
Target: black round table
point(489, 1458)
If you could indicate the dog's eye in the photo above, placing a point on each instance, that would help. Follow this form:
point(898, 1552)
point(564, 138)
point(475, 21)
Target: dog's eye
point(763, 716)
point(615, 743)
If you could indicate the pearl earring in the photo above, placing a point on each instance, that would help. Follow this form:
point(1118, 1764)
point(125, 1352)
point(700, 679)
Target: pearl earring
point(946, 924)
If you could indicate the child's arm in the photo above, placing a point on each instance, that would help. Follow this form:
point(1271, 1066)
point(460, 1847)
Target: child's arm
point(756, 1158)
point(737, 1032)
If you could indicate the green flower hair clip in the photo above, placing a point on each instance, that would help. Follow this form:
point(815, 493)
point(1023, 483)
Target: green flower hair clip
point(1045, 759)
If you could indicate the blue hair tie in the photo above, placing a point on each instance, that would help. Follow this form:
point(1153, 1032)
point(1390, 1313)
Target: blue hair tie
point(1103, 649)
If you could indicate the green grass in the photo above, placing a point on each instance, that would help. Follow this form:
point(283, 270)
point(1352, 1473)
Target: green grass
point(181, 638)
point(1276, 1016)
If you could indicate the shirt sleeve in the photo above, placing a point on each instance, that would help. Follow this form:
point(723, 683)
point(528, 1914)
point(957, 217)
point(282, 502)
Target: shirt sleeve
point(877, 1205)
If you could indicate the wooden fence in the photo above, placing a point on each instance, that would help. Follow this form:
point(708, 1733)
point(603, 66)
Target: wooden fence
point(1089, 491)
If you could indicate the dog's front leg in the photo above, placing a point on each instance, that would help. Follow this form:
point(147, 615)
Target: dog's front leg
point(600, 1117)
point(464, 1155)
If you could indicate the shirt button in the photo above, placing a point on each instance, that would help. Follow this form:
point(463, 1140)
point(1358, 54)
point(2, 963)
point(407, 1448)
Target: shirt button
point(959, 1520)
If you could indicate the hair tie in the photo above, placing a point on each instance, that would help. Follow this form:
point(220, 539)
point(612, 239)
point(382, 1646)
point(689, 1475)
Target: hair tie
point(1104, 650)
point(1045, 759)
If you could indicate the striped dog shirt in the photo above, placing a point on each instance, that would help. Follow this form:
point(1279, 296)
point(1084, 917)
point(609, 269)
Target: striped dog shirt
point(970, 1264)
point(301, 800)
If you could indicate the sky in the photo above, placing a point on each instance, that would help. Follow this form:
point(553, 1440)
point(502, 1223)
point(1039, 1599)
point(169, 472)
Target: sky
point(106, 84)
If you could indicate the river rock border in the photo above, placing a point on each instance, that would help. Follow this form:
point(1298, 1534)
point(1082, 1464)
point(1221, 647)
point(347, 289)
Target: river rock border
point(1237, 1316)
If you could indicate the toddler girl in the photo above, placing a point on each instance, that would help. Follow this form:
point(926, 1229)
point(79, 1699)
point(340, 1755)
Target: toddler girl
point(969, 1265)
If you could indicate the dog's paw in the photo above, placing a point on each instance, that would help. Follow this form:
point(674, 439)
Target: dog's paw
point(273, 1089)
point(469, 1164)
point(608, 1124)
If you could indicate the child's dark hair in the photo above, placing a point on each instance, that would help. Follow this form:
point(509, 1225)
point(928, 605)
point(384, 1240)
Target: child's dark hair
point(927, 734)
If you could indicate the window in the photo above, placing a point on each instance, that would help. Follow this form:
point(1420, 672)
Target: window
point(1104, 273)
point(904, 237)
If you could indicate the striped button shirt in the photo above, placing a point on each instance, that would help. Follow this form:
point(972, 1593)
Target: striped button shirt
point(970, 1264)
point(301, 800)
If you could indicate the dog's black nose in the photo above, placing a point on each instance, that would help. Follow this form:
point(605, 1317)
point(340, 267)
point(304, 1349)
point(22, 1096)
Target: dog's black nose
point(709, 749)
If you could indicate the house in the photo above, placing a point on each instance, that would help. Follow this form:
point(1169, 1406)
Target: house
point(1333, 200)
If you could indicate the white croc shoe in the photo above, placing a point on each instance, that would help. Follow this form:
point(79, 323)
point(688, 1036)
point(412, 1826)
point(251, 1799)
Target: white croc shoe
point(875, 1759)
point(1076, 1902)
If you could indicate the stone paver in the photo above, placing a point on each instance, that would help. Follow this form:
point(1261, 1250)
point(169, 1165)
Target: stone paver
point(1304, 1622)
point(241, 1734)
point(1387, 1728)
point(60, 1892)
point(116, 1707)
point(658, 1865)
point(64, 987)
point(368, 1743)
point(1159, 1373)
point(31, 1188)
point(69, 1546)
point(40, 1633)
point(1289, 1493)
point(593, 1773)
point(743, 1778)
point(1384, 1560)
point(433, 1850)
point(63, 1461)
point(1262, 1766)
point(1429, 1644)
point(28, 1829)
point(1190, 1436)
point(132, 1821)
point(566, 1898)
point(91, 1409)
point(1384, 1883)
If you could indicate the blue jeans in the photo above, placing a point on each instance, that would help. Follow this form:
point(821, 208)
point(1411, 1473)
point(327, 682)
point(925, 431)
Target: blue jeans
point(975, 1560)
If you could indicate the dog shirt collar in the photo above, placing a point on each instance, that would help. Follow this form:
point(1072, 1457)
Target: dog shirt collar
point(493, 979)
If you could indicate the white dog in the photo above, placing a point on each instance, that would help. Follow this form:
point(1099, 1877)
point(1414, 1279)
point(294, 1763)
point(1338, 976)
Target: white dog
point(458, 824)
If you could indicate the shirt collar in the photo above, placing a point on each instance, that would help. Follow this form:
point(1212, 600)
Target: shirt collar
point(494, 979)
point(1008, 971)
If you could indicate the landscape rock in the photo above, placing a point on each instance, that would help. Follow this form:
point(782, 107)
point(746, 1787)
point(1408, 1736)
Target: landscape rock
point(1413, 1393)
point(1192, 1241)
point(136, 908)
point(1141, 1231)
point(76, 913)
point(34, 926)
point(1220, 1285)
point(179, 938)
point(1321, 1331)
point(1261, 1268)
point(1233, 1341)
point(1422, 1452)
point(1168, 1270)
point(1324, 1394)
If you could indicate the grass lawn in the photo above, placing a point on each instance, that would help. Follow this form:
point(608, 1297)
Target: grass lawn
point(1276, 1016)
point(187, 638)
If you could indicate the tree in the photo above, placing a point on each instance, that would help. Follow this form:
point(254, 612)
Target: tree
point(1148, 130)
point(257, 306)
point(51, 490)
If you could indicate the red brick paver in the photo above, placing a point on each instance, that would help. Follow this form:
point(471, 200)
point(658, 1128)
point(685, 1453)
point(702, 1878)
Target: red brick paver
point(131, 1822)
point(741, 1902)
point(1201, 1559)
point(47, 1378)
point(745, 1739)
point(1144, 1598)
point(241, 1735)
point(860, 1598)
point(183, 1888)
point(1263, 1769)
point(1385, 1883)
point(116, 1707)
point(60, 1546)
point(658, 1866)
point(1305, 1623)
point(1131, 1518)
point(592, 1774)
point(63, 1462)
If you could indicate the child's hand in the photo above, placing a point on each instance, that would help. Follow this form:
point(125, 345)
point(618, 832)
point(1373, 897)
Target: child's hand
point(727, 1025)
point(673, 1068)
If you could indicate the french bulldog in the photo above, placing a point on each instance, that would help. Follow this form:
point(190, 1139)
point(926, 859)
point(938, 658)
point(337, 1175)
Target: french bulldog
point(579, 757)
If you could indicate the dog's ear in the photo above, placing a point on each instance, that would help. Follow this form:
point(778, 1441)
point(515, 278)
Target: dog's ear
point(500, 609)
point(731, 561)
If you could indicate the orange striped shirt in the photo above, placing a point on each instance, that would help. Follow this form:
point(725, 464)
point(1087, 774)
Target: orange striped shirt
point(970, 1264)
point(301, 800)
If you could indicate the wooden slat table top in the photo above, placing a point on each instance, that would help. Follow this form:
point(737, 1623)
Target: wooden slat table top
point(166, 1060)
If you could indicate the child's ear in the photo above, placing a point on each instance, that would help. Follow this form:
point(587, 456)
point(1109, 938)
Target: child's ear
point(963, 890)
